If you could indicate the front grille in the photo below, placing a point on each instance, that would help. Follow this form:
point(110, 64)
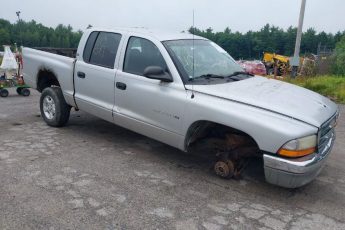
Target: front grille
point(326, 135)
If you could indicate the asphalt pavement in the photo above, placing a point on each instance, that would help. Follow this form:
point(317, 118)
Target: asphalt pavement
point(92, 174)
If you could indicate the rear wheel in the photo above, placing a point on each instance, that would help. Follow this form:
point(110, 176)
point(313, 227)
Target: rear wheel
point(54, 109)
point(3, 92)
point(25, 92)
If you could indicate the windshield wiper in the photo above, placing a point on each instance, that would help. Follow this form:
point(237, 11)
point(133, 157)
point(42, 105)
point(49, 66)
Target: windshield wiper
point(239, 73)
point(208, 76)
point(235, 76)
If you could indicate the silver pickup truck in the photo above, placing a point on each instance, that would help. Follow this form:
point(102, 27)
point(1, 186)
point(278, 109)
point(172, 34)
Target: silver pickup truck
point(189, 93)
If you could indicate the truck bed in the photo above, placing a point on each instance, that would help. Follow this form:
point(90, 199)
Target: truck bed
point(38, 63)
point(68, 52)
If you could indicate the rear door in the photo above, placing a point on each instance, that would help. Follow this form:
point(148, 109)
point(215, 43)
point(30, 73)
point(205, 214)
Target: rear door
point(94, 74)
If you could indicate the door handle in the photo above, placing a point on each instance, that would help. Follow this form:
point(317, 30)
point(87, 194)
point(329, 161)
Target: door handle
point(81, 74)
point(121, 85)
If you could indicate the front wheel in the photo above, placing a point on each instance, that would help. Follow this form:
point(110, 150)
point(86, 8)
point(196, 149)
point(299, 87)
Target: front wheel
point(54, 109)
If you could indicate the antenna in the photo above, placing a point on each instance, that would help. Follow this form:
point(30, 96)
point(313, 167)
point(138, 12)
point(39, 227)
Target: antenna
point(193, 58)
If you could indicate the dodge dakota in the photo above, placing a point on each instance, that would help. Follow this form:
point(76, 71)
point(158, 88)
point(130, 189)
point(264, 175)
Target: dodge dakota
point(189, 93)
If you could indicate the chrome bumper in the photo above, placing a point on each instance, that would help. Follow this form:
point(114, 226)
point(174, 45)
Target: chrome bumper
point(293, 173)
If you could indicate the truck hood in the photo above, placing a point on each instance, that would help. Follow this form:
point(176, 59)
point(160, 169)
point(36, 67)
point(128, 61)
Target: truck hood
point(276, 96)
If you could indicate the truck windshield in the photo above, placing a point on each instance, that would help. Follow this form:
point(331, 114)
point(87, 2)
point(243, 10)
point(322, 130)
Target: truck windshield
point(201, 58)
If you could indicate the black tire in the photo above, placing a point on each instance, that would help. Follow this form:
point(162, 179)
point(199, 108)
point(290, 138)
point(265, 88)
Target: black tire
point(25, 92)
point(19, 90)
point(62, 109)
point(3, 92)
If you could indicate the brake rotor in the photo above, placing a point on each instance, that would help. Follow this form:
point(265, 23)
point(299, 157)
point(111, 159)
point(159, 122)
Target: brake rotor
point(224, 169)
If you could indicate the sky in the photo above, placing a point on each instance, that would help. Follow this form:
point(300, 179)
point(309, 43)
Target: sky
point(177, 15)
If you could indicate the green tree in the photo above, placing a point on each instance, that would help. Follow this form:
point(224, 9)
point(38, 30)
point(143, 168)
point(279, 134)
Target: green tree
point(33, 34)
point(4, 37)
point(339, 64)
point(309, 41)
point(250, 45)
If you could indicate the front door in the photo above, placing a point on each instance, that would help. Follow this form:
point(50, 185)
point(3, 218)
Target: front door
point(148, 106)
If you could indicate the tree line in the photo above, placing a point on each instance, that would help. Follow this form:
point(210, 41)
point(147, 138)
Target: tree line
point(249, 45)
point(33, 34)
point(252, 44)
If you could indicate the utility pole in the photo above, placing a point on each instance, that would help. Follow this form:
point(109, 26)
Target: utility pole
point(20, 34)
point(295, 59)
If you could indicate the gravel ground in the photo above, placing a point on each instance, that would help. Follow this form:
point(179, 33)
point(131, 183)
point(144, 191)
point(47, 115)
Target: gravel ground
point(92, 174)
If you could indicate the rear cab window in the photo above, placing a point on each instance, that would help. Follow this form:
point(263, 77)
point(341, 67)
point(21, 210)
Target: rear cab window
point(101, 49)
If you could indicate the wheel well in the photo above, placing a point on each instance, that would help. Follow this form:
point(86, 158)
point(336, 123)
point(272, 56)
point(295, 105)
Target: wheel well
point(46, 78)
point(219, 137)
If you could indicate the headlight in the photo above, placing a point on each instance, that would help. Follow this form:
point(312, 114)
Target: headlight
point(299, 147)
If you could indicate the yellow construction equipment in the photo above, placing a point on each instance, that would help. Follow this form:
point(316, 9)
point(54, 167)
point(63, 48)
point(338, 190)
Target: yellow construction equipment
point(276, 64)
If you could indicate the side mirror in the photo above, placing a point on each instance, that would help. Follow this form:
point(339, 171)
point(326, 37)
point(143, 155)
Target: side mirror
point(157, 73)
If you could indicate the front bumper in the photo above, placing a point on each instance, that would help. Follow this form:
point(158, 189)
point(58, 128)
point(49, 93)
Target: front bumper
point(293, 173)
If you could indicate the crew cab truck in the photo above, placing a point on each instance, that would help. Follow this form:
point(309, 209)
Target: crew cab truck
point(189, 93)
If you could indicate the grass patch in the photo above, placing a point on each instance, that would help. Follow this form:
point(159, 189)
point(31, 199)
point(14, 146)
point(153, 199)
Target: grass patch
point(332, 87)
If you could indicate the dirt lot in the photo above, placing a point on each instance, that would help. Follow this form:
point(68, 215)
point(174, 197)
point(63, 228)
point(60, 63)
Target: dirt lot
point(95, 175)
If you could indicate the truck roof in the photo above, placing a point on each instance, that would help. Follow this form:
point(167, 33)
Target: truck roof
point(157, 34)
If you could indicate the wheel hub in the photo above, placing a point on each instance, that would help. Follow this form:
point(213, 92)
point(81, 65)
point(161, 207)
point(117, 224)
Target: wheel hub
point(49, 107)
point(221, 169)
point(224, 169)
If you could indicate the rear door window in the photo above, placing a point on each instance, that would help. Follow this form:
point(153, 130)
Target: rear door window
point(104, 49)
point(89, 45)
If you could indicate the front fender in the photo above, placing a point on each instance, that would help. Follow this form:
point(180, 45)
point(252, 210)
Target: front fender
point(270, 130)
